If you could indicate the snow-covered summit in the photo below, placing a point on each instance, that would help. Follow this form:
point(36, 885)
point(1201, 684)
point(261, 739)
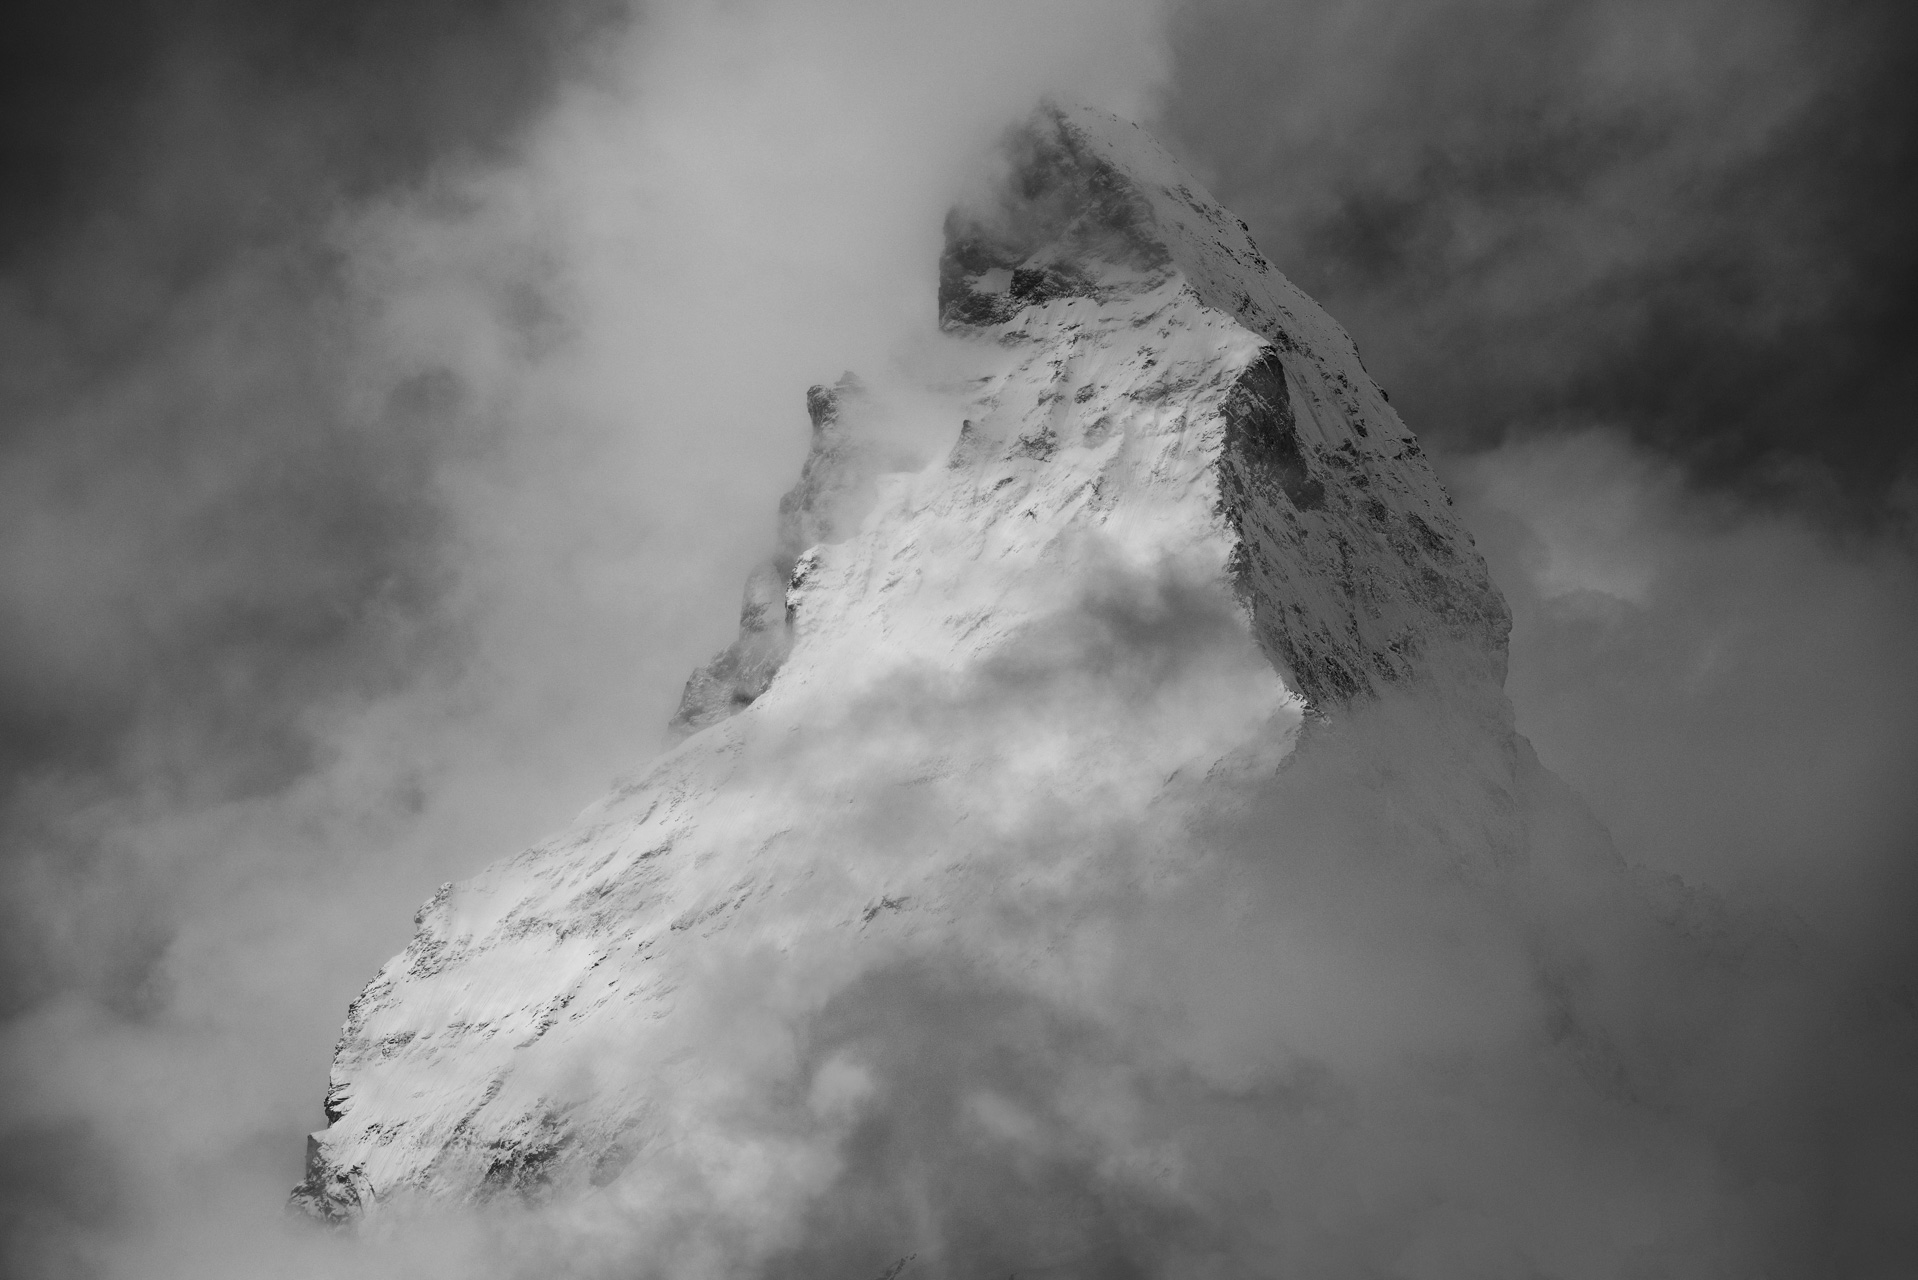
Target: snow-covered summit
point(1349, 558)
point(973, 704)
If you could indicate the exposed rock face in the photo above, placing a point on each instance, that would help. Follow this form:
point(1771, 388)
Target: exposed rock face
point(972, 705)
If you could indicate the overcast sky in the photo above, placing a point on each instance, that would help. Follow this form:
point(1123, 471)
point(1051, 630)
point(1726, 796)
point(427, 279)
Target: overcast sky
point(395, 394)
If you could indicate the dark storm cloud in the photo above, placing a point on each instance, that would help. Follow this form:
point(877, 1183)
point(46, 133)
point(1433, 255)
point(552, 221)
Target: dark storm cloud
point(211, 527)
point(1688, 221)
point(334, 98)
point(209, 530)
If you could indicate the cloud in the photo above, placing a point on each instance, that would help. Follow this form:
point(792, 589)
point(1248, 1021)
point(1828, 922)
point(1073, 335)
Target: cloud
point(370, 495)
point(1729, 687)
point(1683, 221)
point(1392, 1010)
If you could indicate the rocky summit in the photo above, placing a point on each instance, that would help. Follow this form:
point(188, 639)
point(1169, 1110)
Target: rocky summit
point(952, 934)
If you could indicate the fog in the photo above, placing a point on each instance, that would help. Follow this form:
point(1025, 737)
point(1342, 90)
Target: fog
point(369, 495)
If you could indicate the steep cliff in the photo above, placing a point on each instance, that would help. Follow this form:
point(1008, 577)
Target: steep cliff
point(982, 713)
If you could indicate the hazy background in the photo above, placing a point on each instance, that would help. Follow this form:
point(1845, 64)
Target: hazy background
point(395, 395)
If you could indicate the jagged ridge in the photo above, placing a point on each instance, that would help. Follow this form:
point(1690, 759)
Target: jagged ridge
point(1349, 557)
point(834, 488)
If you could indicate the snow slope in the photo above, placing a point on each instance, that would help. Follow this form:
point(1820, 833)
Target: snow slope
point(977, 711)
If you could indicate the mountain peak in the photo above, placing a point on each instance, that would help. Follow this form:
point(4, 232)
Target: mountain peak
point(1171, 518)
point(1065, 221)
point(1344, 550)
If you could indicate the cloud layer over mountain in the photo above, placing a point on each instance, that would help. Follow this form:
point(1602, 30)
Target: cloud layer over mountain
point(396, 397)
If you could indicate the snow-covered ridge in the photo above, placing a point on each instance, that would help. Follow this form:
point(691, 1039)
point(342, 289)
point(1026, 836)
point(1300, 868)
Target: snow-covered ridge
point(1176, 516)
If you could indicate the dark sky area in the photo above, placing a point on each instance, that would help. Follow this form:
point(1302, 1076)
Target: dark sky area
point(169, 167)
point(1683, 226)
point(1690, 221)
